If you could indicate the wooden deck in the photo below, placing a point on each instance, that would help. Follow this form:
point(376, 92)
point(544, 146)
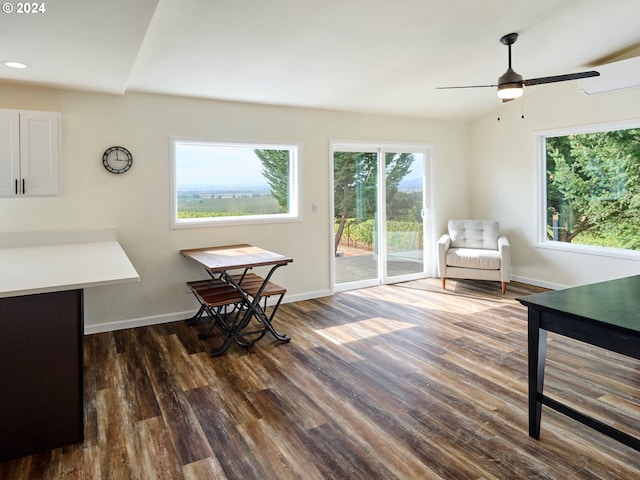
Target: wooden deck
point(363, 267)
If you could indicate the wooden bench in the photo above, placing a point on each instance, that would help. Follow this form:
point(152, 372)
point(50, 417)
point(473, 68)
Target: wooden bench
point(250, 283)
point(214, 296)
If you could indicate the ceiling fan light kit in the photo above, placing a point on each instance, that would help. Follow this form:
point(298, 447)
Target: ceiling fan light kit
point(509, 91)
point(511, 85)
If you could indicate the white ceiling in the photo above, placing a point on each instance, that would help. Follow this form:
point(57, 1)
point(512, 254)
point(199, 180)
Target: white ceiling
point(378, 56)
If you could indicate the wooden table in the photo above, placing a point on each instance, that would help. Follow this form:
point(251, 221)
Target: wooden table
point(605, 314)
point(220, 262)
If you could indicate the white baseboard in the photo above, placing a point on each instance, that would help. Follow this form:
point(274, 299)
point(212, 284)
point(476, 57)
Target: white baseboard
point(176, 316)
point(136, 322)
point(306, 296)
point(537, 283)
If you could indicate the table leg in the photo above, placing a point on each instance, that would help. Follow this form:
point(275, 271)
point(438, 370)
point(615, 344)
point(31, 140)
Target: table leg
point(225, 346)
point(261, 314)
point(279, 336)
point(253, 309)
point(196, 318)
point(537, 351)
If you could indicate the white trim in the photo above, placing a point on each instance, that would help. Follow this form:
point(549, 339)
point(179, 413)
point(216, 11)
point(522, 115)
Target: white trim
point(539, 138)
point(589, 128)
point(240, 220)
point(538, 283)
point(331, 221)
point(295, 186)
point(541, 188)
point(590, 250)
point(179, 316)
point(434, 234)
point(381, 148)
point(136, 322)
point(307, 296)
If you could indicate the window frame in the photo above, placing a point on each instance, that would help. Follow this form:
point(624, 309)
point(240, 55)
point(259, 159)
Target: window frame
point(295, 191)
point(541, 184)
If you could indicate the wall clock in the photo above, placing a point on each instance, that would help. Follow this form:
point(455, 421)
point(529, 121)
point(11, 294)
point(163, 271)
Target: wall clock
point(117, 159)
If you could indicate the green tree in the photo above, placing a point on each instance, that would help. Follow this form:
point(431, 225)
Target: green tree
point(355, 185)
point(593, 187)
point(355, 180)
point(400, 205)
point(275, 168)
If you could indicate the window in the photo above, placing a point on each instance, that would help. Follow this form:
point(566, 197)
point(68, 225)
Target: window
point(233, 183)
point(591, 188)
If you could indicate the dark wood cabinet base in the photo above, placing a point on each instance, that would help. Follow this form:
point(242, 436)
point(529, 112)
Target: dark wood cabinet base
point(40, 372)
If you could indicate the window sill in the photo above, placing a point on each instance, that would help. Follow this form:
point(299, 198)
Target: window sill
point(590, 250)
point(235, 221)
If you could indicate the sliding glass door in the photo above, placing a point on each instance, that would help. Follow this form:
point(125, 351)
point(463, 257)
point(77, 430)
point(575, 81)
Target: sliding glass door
point(379, 203)
point(404, 202)
point(355, 207)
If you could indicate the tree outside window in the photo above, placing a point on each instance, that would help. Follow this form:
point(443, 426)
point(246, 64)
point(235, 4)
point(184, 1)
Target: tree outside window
point(593, 188)
point(355, 196)
point(215, 183)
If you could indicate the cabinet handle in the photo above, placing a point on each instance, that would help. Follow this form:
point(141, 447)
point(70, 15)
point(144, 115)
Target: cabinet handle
point(24, 186)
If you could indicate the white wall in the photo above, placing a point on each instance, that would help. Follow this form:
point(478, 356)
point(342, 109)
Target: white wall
point(136, 204)
point(503, 168)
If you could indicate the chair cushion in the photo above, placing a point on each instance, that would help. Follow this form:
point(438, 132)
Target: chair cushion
point(474, 233)
point(473, 258)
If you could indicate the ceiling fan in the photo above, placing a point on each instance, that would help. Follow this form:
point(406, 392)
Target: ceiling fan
point(510, 84)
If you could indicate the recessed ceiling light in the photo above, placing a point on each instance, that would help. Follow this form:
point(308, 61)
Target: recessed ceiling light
point(15, 64)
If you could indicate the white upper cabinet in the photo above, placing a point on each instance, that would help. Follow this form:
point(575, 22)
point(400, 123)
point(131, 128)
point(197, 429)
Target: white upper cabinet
point(9, 151)
point(29, 153)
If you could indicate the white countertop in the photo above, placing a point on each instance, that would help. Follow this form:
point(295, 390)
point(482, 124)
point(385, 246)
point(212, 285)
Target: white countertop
point(54, 268)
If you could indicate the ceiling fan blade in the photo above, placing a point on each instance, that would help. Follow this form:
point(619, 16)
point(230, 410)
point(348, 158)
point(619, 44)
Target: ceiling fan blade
point(466, 86)
point(560, 78)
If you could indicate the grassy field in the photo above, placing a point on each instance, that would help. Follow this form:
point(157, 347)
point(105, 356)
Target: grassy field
point(204, 206)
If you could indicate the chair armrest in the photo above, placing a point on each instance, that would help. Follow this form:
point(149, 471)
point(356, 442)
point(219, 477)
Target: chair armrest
point(503, 242)
point(443, 245)
point(504, 247)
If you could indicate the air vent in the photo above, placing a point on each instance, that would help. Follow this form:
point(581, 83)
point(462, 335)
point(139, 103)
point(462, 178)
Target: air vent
point(614, 76)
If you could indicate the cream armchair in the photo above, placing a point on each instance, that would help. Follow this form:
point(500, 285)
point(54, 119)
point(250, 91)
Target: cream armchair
point(474, 249)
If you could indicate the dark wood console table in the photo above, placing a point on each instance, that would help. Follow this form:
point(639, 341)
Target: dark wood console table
point(605, 314)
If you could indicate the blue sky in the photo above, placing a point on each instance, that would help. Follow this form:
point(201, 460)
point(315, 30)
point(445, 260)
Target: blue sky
point(211, 164)
point(229, 165)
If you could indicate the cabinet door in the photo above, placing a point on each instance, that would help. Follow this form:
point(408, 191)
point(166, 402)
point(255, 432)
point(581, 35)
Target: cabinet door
point(9, 152)
point(40, 152)
point(41, 405)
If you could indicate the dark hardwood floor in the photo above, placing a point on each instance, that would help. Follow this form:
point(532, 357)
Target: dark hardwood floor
point(394, 382)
